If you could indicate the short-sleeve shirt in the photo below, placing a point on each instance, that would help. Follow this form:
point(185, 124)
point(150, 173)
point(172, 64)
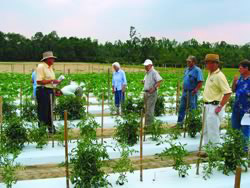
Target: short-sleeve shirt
point(151, 78)
point(191, 77)
point(242, 97)
point(119, 80)
point(216, 87)
point(44, 72)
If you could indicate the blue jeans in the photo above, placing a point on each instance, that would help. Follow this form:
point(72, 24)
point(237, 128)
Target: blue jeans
point(192, 105)
point(245, 129)
point(119, 98)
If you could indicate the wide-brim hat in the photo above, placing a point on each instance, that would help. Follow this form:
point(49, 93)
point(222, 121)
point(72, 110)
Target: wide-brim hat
point(212, 57)
point(48, 54)
point(147, 62)
point(191, 58)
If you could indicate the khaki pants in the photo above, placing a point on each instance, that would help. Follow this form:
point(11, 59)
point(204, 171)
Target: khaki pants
point(149, 100)
point(212, 124)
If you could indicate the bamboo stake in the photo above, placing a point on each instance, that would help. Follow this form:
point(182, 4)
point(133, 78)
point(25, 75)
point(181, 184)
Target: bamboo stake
point(201, 139)
point(102, 115)
point(187, 113)
point(237, 177)
point(52, 125)
point(66, 147)
point(177, 96)
point(141, 147)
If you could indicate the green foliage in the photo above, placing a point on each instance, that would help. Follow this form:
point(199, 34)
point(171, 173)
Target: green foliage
point(226, 156)
point(29, 110)
point(87, 162)
point(8, 168)
point(74, 106)
point(124, 164)
point(88, 127)
point(133, 104)
point(193, 122)
point(174, 133)
point(38, 135)
point(9, 108)
point(127, 129)
point(14, 134)
point(155, 129)
point(160, 105)
point(59, 136)
point(177, 152)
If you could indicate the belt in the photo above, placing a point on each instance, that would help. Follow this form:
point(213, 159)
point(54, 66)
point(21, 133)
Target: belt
point(43, 87)
point(213, 102)
point(146, 90)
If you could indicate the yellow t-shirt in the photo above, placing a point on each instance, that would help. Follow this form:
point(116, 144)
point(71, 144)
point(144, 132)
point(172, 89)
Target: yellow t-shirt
point(44, 72)
point(216, 87)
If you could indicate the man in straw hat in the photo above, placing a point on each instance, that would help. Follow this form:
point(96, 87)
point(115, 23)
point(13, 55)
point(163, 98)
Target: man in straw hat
point(45, 84)
point(151, 82)
point(192, 83)
point(216, 94)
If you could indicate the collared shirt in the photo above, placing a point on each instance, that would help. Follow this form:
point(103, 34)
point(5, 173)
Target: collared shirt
point(242, 97)
point(69, 89)
point(191, 77)
point(151, 78)
point(44, 72)
point(33, 77)
point(119, 80)
point(216, 86)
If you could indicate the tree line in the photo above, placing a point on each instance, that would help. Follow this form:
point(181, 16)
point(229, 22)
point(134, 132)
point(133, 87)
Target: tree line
point(163, 52)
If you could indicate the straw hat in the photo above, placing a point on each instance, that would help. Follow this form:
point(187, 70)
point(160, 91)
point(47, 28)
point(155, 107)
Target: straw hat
point(212, 57)
point(48, 54)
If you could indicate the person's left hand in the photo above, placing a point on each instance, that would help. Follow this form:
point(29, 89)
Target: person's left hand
point(218, 109)
point(194, 91)
point(151, 90)
point(123, 89)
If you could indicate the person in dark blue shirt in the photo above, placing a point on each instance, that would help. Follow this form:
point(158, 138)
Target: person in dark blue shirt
point(241, 106)
point(192, 82)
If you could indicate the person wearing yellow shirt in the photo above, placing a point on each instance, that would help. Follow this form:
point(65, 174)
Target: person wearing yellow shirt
point(216, 94)
point(45, 84)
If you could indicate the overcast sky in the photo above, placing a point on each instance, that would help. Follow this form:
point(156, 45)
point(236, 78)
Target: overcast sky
point(110, 20)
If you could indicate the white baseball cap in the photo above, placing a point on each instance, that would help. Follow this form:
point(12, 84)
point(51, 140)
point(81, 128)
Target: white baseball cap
point(147, 62)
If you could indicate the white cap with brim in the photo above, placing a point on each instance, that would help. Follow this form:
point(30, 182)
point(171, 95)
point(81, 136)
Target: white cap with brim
point(147, 62)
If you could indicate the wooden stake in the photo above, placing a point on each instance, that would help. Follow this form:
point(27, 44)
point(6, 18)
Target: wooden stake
point(141, 147)
point(87, 103)
point(177, 96)
point(201, 139)
point(66, 147)
point(102, 116)
point(108, 87)
point(237, 177)
point(145, 106)
point(1, 120)
point(52, 124)
point(21, 100)
point(64, 70)
point(68, 71)
point(187, 114)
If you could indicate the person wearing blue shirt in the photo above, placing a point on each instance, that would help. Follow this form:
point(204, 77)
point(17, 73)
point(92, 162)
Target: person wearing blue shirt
point(192, 82)
point(33, 81)
point(119, 83)
point(241, 106)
